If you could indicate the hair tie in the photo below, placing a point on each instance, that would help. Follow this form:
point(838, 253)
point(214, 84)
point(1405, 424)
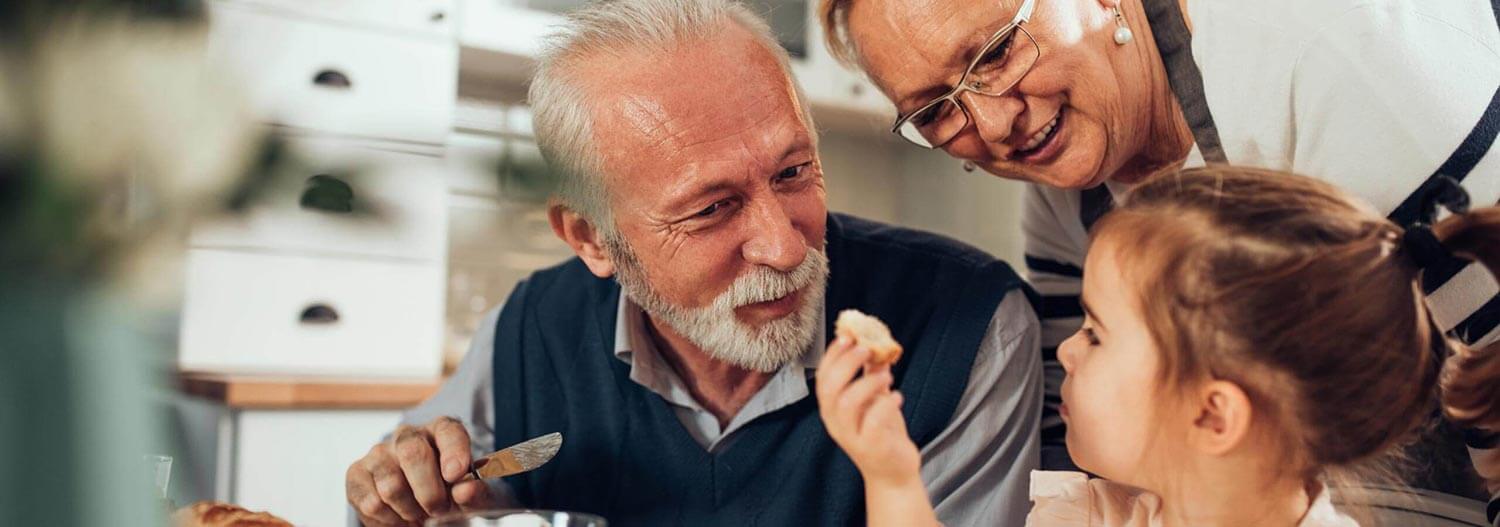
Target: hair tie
point(1445, 191)
point(1418, 242)
point(1422, 246)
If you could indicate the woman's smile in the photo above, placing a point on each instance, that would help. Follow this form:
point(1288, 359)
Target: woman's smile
point(1042, 145)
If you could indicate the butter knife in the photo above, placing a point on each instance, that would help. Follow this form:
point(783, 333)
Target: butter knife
point(515, 459)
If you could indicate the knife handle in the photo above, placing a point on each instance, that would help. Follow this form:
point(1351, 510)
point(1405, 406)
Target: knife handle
point(498, 465)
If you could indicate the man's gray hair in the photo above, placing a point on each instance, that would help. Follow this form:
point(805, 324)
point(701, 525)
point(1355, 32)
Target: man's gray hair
point(561, 107)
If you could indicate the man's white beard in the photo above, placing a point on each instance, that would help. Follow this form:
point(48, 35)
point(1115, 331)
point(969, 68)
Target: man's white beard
point(715, 328)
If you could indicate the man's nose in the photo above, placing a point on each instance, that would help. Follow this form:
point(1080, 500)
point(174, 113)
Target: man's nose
point(992, 116)
point(774, 241)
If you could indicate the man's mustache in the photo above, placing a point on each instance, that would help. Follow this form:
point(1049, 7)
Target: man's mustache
point(764, 284)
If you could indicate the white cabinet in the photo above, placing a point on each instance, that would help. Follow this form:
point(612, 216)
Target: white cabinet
point(429, 18)
point(339, 268)
point(253, 312)
point(344, 199)
point(341, 273)
point(336, 78)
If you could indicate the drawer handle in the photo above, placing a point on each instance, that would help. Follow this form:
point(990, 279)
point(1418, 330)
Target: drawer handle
point(333, 79)
point(326, 193)
point(319, 314)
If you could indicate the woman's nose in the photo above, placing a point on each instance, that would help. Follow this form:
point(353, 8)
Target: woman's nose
point(992, 117)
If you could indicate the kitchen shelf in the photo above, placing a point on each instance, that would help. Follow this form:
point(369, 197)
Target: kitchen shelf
point(257, 392)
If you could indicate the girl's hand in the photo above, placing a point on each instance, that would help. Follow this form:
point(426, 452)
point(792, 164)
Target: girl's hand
point(864, 417)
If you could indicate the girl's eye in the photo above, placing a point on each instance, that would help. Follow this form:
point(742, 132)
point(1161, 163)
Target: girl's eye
point(1088, 334)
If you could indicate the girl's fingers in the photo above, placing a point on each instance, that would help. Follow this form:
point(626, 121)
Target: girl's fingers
point(841, 347)
point(836, 370)
point(841, 344)
point(855, 401)
point(872, 368)
point(884, 415)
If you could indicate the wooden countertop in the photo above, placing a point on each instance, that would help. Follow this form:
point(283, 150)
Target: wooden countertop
point(264, 392)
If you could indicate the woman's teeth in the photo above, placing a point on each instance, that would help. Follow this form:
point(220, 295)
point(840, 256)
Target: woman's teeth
point(1041, 135)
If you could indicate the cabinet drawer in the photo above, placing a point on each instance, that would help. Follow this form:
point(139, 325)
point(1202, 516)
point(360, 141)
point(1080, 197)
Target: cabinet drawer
point(343, 200)
point(276, 314)
point(335, 78)
point(418, 17)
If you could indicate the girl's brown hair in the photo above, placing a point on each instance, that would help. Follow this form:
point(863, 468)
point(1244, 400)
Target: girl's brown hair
point(1471, 377)
point(1303, 297)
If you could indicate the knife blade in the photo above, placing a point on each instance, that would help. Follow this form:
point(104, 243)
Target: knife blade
point(515, 459)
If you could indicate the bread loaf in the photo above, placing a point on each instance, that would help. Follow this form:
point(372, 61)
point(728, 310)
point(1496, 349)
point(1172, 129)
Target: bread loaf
point(216, 514)
point(871, 333)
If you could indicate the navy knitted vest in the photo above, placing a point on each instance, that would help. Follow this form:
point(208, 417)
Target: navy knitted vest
point(626, 457)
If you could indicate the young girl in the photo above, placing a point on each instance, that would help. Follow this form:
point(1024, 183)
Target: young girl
point(1247, 335)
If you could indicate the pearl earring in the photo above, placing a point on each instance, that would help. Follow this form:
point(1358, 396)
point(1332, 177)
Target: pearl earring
point(1122, 32)
point(968, 166)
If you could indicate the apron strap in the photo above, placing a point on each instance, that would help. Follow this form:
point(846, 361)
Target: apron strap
point(1175, 43)
point(1094, 204)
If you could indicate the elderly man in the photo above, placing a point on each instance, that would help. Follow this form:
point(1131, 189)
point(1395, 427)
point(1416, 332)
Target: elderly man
point(675, 353)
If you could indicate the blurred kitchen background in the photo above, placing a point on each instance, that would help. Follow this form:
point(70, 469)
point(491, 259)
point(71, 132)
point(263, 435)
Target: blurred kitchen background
point(302, 325)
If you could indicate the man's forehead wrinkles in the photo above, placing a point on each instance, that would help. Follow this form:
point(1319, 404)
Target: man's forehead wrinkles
point(644, 115)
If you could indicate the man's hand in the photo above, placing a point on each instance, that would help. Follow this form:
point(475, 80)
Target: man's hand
point(415, 475)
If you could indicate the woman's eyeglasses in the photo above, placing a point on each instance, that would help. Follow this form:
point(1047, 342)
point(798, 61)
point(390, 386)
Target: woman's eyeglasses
point(1006, 57)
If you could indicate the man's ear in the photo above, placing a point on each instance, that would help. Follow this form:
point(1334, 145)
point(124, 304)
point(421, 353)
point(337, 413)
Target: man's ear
point(1223, 418)
point(580, 235)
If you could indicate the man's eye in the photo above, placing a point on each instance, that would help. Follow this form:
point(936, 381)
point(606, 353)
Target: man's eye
point(790, 173)
point(712, 209)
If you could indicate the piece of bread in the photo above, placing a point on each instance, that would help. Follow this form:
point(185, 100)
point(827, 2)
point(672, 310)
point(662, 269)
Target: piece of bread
point(215, 514)
point(871, 333)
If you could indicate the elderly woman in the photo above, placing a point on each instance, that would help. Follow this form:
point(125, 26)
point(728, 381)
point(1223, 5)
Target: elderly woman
point(1085, 97)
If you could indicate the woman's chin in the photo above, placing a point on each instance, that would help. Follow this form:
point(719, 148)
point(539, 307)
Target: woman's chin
point(1058, 175)
point(1070, 182)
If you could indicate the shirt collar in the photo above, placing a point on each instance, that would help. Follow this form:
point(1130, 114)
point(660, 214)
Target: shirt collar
point(1322, 513)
